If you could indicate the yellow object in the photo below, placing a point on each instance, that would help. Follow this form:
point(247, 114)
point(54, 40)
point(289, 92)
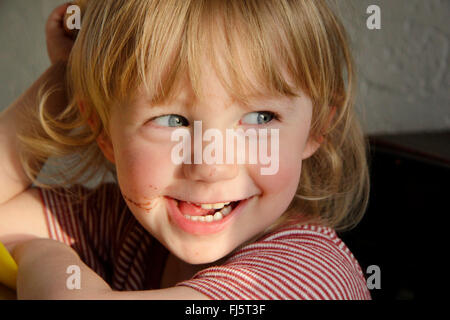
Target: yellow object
point(8, 268)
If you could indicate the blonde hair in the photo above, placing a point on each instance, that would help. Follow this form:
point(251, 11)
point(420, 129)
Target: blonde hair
point(125, 44)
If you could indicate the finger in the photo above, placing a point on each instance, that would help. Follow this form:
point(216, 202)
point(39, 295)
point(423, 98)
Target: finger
point(59, 12)
point(56, 18)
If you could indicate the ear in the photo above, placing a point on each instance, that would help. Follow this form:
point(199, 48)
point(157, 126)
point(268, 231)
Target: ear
point(105, 144)
point(314, 143)
point(103, 141)
point(92, 121)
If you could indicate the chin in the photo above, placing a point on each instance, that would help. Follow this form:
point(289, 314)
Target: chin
point(198, 257)
point(199, 260)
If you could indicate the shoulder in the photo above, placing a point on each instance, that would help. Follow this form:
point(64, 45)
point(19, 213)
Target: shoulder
point(80, 193)
point(82, 204)
point(306, 240)
point(79, 199)
point(78, 215)
point(92, 220)
point(301, 262)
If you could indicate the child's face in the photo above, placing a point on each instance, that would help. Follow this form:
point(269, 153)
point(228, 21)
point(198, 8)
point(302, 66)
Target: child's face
point(149, 180)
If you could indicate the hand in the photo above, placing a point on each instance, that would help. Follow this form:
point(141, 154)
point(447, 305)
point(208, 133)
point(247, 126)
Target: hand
point(59, 42)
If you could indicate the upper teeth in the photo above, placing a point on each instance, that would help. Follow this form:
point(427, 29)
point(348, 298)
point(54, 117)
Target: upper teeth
point(209, 218)
point(209, 206)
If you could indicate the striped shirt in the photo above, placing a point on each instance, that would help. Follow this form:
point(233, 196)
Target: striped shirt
point(296, 262)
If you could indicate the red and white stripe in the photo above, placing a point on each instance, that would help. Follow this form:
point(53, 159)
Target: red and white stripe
point(306, 262)
point(297, 262)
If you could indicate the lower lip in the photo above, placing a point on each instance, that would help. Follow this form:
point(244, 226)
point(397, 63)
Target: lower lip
point(199, 227)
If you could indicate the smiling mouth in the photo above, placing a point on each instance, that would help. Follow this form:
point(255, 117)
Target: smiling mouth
point(193, 219)
point(204, 212)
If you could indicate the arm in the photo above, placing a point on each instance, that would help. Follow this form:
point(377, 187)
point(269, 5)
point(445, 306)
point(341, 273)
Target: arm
point(12, 176)
point(42, 275)
point(21, 214)
point(21, 210)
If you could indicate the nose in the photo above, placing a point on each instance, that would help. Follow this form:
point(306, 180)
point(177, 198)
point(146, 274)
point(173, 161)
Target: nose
point(218, 166)
point(210, 172)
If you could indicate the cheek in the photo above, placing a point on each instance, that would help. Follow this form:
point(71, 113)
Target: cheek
point(286, 179)
point(291, 145)
point(144, 169)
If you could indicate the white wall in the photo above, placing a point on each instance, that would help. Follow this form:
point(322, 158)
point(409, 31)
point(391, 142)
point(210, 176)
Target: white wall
point(403, 68)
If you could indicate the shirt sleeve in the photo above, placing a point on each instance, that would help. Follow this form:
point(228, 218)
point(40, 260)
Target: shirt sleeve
point(84, 219)
point(311, 269)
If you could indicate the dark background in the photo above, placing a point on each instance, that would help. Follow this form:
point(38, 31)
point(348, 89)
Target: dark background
point(406, 216)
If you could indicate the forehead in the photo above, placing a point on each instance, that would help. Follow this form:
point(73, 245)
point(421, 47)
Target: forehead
point(184, 97)
point(211, 88)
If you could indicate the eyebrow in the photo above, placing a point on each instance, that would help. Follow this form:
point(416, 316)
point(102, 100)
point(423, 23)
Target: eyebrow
point(284, 103)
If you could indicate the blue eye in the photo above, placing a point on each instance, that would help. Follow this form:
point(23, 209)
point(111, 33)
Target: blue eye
point(171, 120)
point(259, 117)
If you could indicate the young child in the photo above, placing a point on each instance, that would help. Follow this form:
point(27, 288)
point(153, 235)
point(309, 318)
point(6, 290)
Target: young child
point(139, 70)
